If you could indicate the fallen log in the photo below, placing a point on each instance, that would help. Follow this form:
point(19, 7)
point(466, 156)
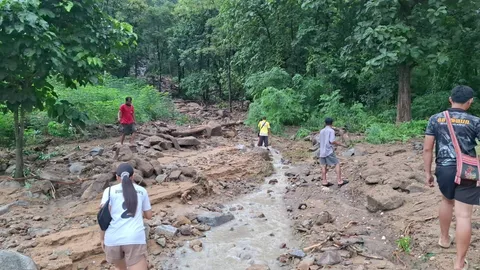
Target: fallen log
point(189, 132)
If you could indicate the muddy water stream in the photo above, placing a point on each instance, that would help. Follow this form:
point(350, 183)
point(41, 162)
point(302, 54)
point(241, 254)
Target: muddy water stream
point(248, 239)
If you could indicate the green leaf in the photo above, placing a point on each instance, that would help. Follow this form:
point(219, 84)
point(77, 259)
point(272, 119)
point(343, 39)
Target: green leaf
point(46, 12)
point(29, 52)
point(69, 6)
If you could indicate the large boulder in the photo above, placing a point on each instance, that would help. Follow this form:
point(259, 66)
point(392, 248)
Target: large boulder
point(329, 257)
point(124, 153)
point(262, 153)
point(188, 171)
point(145, 167)
point(152, 140)
point(214, 129)
point(15, 261)
point(188, 141)
point(97, 186)
point(383, 198)
point(166, 145)
point(76, 168)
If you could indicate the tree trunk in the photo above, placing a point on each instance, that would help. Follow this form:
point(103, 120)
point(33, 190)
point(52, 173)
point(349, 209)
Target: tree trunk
point(19, 118)
point(404, 100)
point(159, 59)
point(229, 83)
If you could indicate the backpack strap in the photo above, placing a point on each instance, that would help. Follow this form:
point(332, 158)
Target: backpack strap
point(456, 146)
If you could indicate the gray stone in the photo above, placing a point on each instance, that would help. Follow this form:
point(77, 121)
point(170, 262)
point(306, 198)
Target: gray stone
point(76, 168)
point(97, 151)
point(416, 188)
point(145, 167)
point(214, 129)
point(297, 172)
point(97, 186)
point(383, 198)
point(188, 141)
point(10, 170)
point(329, 257)
point(38, 232)
point(162, 242)
point(372, 180)
point(161, 178)
point(188, 171)
point(15, 261)
point(11, 184)
point(124, 153)
point(153, 140)
point(166, 145)
point(297, 253)
point(166, 230)
point(322, 218)
point(262, 153)
point(215, 219)
point(186, 230)
point(174, 175)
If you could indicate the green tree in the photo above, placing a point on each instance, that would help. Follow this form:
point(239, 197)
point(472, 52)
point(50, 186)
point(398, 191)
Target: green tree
point(41, 39)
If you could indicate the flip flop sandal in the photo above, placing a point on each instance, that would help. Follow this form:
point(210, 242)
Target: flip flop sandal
point(449, 244)
point(344, 183)
point(328, 185)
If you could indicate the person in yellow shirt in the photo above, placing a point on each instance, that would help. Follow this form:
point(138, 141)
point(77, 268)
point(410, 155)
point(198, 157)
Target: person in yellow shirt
point(264, 128)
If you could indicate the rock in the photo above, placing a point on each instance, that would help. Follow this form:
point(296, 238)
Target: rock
point(97, 151)
point(76, 168)
point(95, 188)
point(356, 151)
point(10, 170)
point(162, 242)
point(11, 184)
point(188, 171)
point(124, 153)
point(182, 220)
point(166, 145)
point(153, 140)
point(53, 257)
point(399, 183)
point(323, 218)
point(295, 172)
point(15, 261)
point(138, 178)
point(418, 146)
point(161, 178)
point(145, 167)
point(329, 257)
point(273, 181)
point(185, 230)
point(42, 187)
point(372, 180)
point(297, 253)
point(38, 232)
point(203, 227)
point(262, 153)
point(215, 219)
point(196, 245)
point(306, 263)
point(383, 198)
point(214, 129)
point(222, 113)
point(302, 206)
point(166, 230)
point(283, 245)
point(395, 152)
point(175, 175)
point(261, 215)
point(258, 267)
point(188, 141)
point(416, 188)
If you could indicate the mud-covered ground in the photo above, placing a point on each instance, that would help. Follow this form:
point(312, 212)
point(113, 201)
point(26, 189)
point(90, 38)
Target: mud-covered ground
point(357, 226)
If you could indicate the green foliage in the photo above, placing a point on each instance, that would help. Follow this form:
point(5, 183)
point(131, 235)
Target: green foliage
point(276, 78)
point(197, 86)
point(379, 133)
point(302, 133)
point(58, 130)
point(404, 244)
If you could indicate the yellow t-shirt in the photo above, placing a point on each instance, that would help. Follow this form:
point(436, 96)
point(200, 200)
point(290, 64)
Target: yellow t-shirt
point(264, 129)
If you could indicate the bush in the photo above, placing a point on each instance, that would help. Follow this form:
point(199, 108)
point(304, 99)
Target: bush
point(379, 133)
point(258, 82)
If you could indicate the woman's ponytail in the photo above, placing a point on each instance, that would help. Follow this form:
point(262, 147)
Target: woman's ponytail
point(125, 171)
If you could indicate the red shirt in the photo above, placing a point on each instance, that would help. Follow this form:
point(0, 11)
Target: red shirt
point(127, 114)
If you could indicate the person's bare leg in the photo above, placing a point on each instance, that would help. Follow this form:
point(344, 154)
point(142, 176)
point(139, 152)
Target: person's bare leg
point(463, 214)
point(132, 138)
point(141, 265)
point(122, 139)
point(324, 175)
point(339, 174)
point(445, 214)
point(120, 265)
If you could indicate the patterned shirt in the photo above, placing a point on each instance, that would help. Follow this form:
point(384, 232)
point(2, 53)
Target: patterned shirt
point(467, 129)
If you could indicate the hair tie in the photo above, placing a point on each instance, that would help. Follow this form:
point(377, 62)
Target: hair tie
point(127, 174)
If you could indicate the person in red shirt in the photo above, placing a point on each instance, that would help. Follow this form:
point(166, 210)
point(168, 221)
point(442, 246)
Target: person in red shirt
point(126, 117)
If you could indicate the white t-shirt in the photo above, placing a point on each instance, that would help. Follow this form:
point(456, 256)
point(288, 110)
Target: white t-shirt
point(127, 230)
point(326, 138)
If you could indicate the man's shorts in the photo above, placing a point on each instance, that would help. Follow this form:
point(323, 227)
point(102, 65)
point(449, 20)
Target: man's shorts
point(467, 192)
point(131, 253)
point(330, 160)
point(128, 129)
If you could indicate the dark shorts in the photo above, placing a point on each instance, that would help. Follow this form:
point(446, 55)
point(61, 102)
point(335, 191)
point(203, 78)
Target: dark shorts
point(263, 140)
point(330, 160)
point(128, 129)
point(467, 192)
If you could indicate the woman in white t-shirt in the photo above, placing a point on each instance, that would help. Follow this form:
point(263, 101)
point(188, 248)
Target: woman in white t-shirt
point(124, 242)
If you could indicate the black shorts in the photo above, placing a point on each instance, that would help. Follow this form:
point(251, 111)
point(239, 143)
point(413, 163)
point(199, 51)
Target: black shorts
point(467, 192)
point(263, 140)
point(128, 129)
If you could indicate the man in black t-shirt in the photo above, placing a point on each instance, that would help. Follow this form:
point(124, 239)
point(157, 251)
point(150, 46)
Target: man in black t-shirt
point(465, 195)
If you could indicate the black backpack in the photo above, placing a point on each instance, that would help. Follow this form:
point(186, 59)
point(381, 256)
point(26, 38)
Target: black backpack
point(104, 217)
